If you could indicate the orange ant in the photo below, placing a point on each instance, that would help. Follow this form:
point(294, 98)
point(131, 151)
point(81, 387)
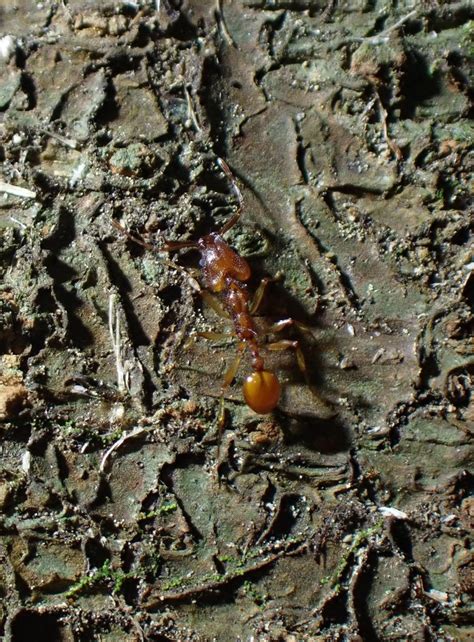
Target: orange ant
point(225, 273)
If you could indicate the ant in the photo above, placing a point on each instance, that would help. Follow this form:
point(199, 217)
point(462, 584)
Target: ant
point(225, 274)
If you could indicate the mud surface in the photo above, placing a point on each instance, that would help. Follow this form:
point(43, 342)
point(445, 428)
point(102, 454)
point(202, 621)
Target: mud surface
point(344, 515)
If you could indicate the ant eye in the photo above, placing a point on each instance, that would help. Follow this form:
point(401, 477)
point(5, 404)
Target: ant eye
point(261, 391)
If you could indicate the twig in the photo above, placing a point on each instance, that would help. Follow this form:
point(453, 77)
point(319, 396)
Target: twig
point(67, 142)
point(114, 331)
point(116, 445)
point(14, 190)
point(78, 173)
point(19, 223)
point(222, 24)
point(397, 24)
point(382, 37)
point(192, 111)
point(383, 114)
point(379, 38)
point(7, 47)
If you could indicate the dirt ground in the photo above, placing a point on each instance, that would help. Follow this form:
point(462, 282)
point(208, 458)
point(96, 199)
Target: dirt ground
point(345, 514)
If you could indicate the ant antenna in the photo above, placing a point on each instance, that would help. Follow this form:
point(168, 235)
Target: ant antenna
point(237, 193)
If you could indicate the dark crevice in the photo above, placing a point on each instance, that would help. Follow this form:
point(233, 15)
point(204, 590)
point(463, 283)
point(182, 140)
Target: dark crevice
point(269, 494)
point(284, 518)
point(401, 537)
point(344, 278)
point(210, 95)
point(167, 474)
point(97, 554)
point(44, 324)
point(56, 113)
point(268, 33)
point(28, 87)
point(63, 468)
point(159, 637)
point(463, 485)
point(335, 610)
point(179, 27)
point(150, 502)
point(78, 333)
point(178, 175)
point(109, 110)
point(429, 368)
point(468, 292)
point(58, 270)
point(102, 496)
point(325, 436)
point(417, 84)
point(454, 196)
point(64, 231)
point(301, 152)
point(33, 625)
point(119, 60)
point(378, 26)
point(461, 236)
point(448, 15)
point(456, 61)
point(361, 597)
point(137, 334)
point(364, 483)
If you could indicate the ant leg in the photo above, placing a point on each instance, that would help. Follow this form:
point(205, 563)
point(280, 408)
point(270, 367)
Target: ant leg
point(213, 336)
point(237, 193)
point(170, 247)
point(259, 294)
point(214, 303)
point(301, 361)
point(261, 291)
point(230, 223)
point(228, 378)
point(278, 326)
point(135, 238)
point(209, 336)
point(232, 369)
point(286, 344)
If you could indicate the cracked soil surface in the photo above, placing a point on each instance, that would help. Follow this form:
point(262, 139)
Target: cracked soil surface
point(347, 513)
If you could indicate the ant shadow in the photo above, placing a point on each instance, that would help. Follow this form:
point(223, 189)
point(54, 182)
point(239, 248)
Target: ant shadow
point(62, 273)
point(316, 425)
point(325, 436)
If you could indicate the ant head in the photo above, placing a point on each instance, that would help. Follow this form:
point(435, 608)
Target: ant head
point(261, 391)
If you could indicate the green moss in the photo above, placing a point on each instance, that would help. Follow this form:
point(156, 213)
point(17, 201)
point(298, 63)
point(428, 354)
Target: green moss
point(105, 574)
point(175, 582)
point(467, 38)
point(360, 539)
point(164, 509)
point(252, 592)
point(87, 582)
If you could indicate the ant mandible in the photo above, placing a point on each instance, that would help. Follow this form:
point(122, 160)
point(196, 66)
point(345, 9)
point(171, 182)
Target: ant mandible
point(225, 273)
